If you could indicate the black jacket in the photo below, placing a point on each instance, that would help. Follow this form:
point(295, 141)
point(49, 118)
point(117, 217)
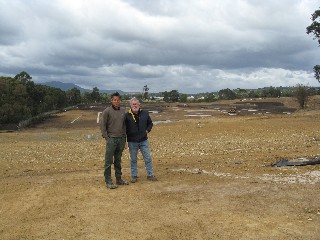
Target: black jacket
point(137, 130)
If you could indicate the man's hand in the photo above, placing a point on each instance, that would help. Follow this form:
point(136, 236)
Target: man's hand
point(105, 137)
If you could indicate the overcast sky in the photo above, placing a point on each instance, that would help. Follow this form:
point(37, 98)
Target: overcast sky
point(187, 45)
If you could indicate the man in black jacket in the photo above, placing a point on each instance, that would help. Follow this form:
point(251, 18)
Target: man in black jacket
point(138, 125)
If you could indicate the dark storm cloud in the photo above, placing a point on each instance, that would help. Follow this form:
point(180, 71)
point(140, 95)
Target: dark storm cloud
point(192, 46)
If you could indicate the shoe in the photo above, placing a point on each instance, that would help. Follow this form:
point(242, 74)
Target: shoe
point(112, 185)
point(122, 182)
point(134, 179)
point(152, 178)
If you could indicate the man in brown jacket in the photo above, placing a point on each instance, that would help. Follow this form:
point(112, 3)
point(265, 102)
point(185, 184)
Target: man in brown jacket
point(113, 129)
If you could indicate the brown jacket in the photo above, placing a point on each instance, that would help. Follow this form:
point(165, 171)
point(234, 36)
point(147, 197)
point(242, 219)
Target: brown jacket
point(112, 122)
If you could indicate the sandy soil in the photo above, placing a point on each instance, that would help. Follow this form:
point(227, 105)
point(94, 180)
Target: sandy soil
point(215, 178)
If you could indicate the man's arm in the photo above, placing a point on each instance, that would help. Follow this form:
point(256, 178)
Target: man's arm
point(103, 124)
point(149, 123)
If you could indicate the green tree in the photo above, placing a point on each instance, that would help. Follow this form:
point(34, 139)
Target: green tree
point(86, 98)
point(95, 95)
point(302, 95)
point(210, 97)
point(38, 94)
point(314, 30)
point(287, 92)
point(172, 96)
point(312, 91)
point(49, 98)
point(60, 98)
point(145, 92)
point(73, 96)
point(271, 92)
point(23, 77)
point(227, 94)
point(22, 99)
point(165, 95)
point(253, 94)
point(316, 70)
point(31, 99)
point(105, 97)
point(241, 93)
point(13, 105)
point(126, 97)
point(183, 97)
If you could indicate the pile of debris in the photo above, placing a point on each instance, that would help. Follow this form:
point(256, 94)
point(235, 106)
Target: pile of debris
point(297, 162)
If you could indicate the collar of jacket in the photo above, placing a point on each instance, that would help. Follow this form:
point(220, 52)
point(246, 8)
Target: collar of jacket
point(115, 108)
point(133, 115)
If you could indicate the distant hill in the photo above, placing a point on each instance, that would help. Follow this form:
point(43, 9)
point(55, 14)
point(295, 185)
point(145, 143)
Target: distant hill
point(68, 86)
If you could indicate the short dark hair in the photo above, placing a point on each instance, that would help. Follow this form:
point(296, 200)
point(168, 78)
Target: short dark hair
point(116, 94)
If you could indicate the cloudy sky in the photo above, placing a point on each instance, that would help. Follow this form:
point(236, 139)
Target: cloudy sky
point(186, 45)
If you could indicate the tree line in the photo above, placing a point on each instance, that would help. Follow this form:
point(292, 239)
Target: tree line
point(299, 92)
point(22, 99)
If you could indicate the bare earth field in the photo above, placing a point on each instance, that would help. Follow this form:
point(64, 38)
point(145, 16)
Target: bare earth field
point(215, 176)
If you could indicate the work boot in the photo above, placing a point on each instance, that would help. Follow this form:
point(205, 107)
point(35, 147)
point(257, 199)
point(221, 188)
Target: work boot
point(120, 181)
point(134, 179)
point(111, 185)
point(152, 178)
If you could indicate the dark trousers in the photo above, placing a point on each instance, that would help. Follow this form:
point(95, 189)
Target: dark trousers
point(114, 149)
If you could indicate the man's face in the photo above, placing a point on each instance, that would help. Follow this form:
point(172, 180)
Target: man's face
point(135, 106)
point(115, 101)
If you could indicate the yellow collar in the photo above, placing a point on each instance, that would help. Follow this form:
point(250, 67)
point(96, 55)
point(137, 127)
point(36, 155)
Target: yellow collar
point(132, 114)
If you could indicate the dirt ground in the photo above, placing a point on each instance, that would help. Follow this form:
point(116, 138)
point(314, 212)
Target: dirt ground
point(215, 177)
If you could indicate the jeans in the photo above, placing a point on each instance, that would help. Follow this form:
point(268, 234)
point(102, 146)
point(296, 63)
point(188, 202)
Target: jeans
point(114, 149)
point(133, 150)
